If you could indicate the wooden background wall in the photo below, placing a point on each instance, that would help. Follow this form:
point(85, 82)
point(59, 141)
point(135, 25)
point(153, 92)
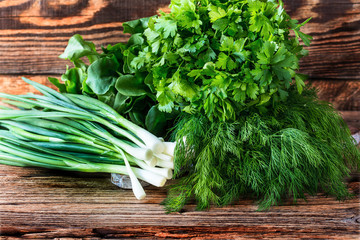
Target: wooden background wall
point(34, 32)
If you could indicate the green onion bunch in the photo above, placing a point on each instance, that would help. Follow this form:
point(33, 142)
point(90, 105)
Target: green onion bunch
point(79, 133)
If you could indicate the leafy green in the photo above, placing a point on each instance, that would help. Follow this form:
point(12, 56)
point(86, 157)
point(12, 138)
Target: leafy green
point(116, 76)
point(298, 147)
point(155, 121)
point(129, 85)
point(242, 42)
point(101, 74)
point(78, 48)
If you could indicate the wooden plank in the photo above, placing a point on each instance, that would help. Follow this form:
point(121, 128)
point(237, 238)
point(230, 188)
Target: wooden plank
point(335, 26)
point(33, 32)
point(352, 118)
point(15, 85)
point(38, 203)
point(345, 95)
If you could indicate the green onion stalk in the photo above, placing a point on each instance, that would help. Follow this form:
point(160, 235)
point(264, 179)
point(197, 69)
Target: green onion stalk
point(78, 133)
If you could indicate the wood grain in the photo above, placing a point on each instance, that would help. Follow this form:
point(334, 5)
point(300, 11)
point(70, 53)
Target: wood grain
point(33, 33)
point(335, 26)
point(345, 95)
point(45, 204)
point(38, 203)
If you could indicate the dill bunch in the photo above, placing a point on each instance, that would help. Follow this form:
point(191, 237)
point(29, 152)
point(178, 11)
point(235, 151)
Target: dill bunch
point(291, 149)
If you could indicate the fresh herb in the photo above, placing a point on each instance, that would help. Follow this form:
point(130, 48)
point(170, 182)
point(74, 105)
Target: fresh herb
point(230, 67)
point(300, 147)
point(219, 57)
point(249, 124)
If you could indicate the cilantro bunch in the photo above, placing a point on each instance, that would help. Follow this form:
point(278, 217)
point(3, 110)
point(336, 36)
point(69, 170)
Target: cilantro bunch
point(219, 57)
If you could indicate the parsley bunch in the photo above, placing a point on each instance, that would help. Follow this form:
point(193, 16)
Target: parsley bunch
point(219, 57)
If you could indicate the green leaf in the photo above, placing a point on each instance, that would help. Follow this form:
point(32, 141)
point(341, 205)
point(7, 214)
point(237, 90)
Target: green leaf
point(56, 83)
point(73, 79)
point(282, 74)
point(171, 58)
point(136, 26)
point(306, 38)
point(208, 56)
point(139, 61)
point(155, 121)
point(216, 13)
point(227, 44)
point(260, 23)
point(129, 85)
point(128, 58)
point(299, 80)
point(239, 95)
point(78, 48)
point(269, 49)
point(120, 103)
point(189, 109)
point(102, 74)
point(108, 98)
point(231, 65)
point(136, 39)
point(283, 94)
point(168, 27)
point(166, 100)
point(289, 62)
point(221, 63)
point(280, 55)
point(137, 118)
point(252, 91)
point(195, 73)
point(209, 69)
point(264, 98)
point(221, 24)
point(151, 35)
point(183, 87)
point(149, 81)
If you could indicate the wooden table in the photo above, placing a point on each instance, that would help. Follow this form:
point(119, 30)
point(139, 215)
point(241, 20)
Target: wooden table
point(45, 204)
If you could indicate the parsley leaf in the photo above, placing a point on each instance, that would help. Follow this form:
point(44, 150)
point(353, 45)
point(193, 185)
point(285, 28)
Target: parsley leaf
point(204, 51)
point(216, 13)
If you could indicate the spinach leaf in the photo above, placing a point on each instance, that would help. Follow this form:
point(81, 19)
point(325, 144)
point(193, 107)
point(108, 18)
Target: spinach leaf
point(156, 121)
point(78, 48)
point(129, 85)
point(102, 74)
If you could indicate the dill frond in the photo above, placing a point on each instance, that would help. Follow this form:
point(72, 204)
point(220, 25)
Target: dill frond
point(296, 148)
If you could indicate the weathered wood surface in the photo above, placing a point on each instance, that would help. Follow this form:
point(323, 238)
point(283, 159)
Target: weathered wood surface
point(34, 32)
point(44, 204)
point(38, 203)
